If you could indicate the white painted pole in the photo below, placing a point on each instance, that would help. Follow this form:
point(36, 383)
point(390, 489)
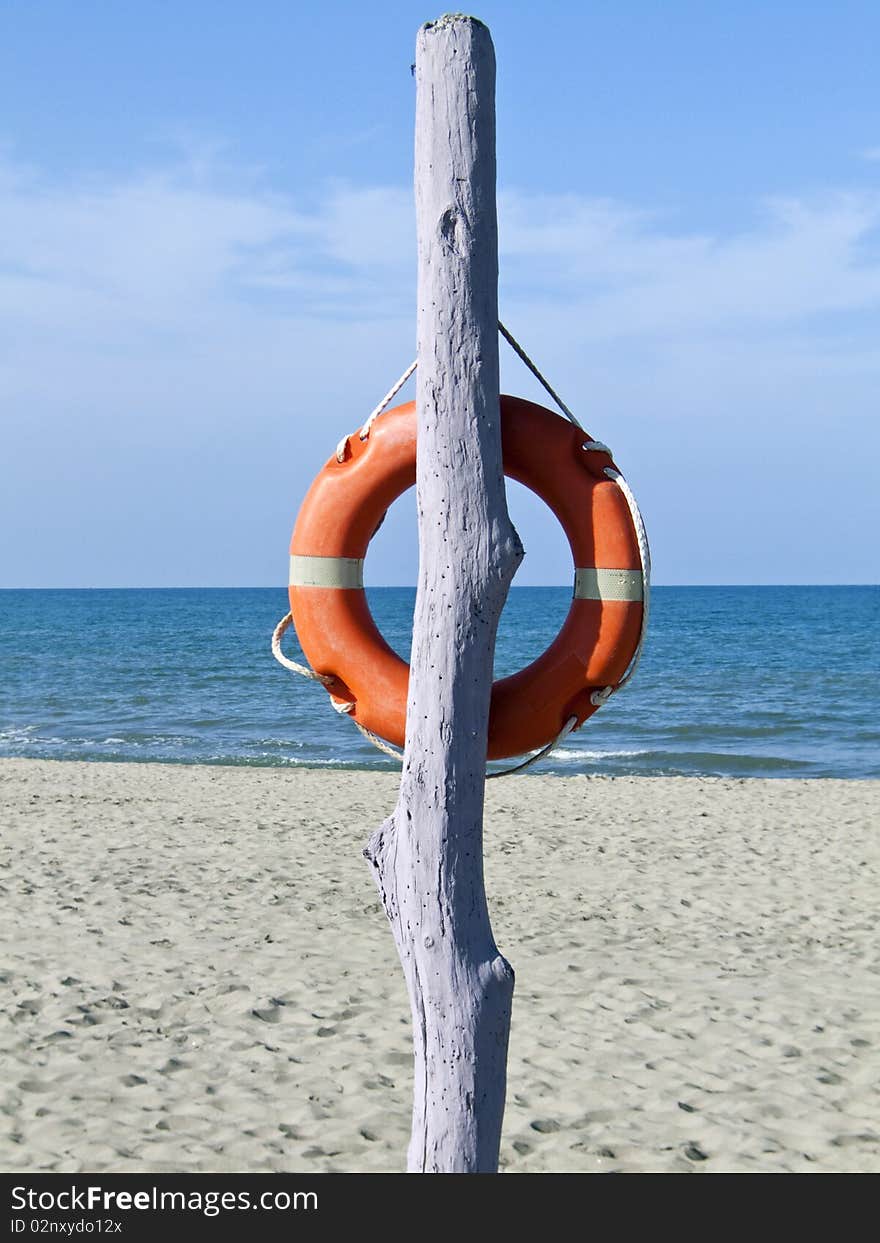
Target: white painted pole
point(428, 855)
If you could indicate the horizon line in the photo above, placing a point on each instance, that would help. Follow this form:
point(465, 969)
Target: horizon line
point(410, 586)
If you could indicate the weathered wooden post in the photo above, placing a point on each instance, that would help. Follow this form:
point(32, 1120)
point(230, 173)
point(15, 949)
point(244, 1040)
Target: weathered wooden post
point(428, 855)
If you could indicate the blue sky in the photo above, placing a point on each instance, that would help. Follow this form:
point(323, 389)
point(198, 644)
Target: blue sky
point(207, 275)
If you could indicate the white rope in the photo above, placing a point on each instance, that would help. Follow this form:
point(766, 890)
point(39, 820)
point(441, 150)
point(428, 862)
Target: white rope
point(292, 665)
point(386, 401)
point(364, 433)
point(378, 742)
point(597, 698)
point(340, 705)
point(567, 728)
point(345, 709)
point(600, 697)
point(518, 349)
point(517, 768)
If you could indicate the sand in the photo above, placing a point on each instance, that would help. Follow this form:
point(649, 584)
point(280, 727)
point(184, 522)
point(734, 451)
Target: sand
point(197, 975)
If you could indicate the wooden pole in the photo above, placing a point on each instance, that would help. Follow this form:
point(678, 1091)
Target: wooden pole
point(428, 855)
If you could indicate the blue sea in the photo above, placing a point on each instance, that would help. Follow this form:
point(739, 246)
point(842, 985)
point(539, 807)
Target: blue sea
point(734, 681)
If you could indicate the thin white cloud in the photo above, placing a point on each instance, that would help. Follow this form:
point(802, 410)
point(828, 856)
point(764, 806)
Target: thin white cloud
point(171, 244)
point(626, 276)
point(208, 283)
point(171, 335)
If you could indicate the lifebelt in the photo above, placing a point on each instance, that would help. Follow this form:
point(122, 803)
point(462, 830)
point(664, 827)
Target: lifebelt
point(345, 506)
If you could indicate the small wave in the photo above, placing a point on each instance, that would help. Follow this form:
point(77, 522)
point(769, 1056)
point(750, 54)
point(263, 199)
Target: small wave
point(570, 755)
point(29, 735)
point(18, 733)
point(26, 736)
point(293, 743)
point(140, 740)
point(659, 762)
point(275, 761)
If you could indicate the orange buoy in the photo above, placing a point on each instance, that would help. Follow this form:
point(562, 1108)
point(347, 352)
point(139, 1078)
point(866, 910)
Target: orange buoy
point(600, 637)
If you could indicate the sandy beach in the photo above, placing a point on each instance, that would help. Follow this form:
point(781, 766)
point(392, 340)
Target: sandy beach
point(197, 975)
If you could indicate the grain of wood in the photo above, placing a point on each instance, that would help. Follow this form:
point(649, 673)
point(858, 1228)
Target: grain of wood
point(428, 855)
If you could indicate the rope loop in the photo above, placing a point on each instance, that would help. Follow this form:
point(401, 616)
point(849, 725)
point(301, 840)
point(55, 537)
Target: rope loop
point(378, 742)
point(277, 634)
point(568, 727)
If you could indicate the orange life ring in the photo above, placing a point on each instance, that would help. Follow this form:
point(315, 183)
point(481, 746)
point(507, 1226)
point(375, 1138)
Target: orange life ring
point(345, 506)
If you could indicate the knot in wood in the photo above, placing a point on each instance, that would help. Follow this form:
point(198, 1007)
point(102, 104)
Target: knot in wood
point(451, 226)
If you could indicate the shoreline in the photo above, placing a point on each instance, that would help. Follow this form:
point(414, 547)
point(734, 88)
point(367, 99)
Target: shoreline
point(200, 978)
point(354, 768)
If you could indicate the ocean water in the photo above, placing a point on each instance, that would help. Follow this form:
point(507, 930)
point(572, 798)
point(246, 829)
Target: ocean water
point(740, 681)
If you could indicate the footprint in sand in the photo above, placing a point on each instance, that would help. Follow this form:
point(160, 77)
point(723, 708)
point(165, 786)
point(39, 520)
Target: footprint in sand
point(545, 1126)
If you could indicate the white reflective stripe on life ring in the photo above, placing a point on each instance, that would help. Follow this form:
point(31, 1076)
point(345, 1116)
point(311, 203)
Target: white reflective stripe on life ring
point(346, 572)
point(608, 584)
